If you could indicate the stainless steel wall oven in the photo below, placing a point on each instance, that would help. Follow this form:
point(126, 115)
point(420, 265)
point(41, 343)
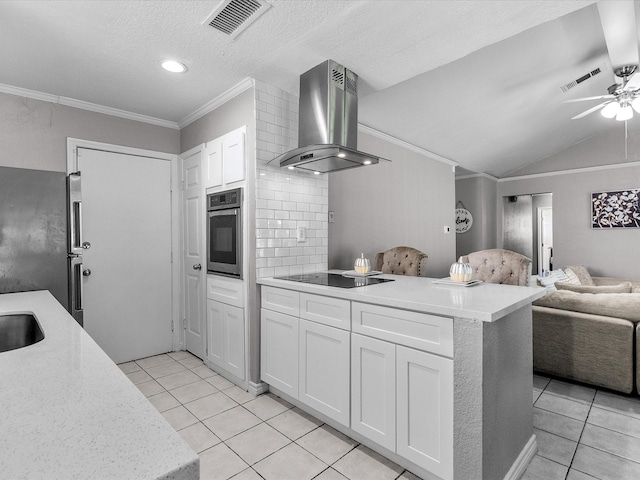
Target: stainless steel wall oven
point(224, 233)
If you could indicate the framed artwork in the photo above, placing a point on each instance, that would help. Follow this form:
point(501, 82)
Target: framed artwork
point(617, 209)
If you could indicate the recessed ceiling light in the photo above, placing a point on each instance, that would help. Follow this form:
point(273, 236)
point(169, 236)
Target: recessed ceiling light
point(174, 67)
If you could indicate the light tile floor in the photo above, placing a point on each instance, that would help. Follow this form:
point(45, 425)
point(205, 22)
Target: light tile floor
point(244, 437)
point(584, 433)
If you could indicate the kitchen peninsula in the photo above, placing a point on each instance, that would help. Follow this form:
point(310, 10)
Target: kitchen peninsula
point(68, 412)
point(436, 377)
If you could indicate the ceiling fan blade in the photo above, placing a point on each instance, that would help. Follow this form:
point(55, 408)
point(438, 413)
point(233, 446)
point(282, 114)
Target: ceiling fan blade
point(591, 110)
point(620, 28)
point(598, 97)
point(633, 83)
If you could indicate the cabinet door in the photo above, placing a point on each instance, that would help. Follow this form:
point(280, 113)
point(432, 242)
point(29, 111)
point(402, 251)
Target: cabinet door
point(234, 341)
point(279, 351)
point(213, 164)
point(425, 410)
point(233, 157)
point(215, 332)
point(324, 370)
point(373, 389)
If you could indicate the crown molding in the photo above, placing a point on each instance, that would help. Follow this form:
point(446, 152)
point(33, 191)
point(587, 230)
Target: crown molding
point(572, 171)
point(80, 104)
point(233, 92)
point(407, 145)
point(474, 175)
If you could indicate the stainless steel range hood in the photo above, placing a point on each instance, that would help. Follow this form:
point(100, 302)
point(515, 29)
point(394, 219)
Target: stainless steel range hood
point(328, 122)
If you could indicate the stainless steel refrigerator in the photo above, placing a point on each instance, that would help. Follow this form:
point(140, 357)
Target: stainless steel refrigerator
point(40, 248)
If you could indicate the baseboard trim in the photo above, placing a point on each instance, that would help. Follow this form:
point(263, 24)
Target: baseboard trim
point(523, 460)
point(258, 388)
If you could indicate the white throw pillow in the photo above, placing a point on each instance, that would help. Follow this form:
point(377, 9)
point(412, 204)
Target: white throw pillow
point(551, 278)
point(572, 278)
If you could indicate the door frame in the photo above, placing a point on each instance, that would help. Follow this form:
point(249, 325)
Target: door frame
point(183, 288)
point(177, 342)
point(541, 210)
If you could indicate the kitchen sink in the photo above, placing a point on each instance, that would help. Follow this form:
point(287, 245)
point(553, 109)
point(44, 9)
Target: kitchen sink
point(19, 330)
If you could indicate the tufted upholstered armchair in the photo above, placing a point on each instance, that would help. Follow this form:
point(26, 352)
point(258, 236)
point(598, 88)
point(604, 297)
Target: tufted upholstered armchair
point(499, 266)
point(402, 261)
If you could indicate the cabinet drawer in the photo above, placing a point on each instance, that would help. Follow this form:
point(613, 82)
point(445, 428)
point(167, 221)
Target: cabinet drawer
point(334, 312)
point(423, 331)
point(225, 290)
point(281, 300)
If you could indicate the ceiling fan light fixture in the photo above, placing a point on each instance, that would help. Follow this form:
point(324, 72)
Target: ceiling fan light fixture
point(610, 110)
point(636, 104)
point(625, 113)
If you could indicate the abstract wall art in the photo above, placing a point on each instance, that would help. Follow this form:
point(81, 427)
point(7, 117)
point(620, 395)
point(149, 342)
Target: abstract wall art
point(617, 209)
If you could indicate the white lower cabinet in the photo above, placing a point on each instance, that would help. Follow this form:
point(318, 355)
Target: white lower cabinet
point(279, 351)
point(225, 339)
point(365, 368)
point(324, 370)
point(373, 389)
point(425, 410)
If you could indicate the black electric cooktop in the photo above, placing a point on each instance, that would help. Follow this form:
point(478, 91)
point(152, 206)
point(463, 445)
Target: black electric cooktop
point(334, 280)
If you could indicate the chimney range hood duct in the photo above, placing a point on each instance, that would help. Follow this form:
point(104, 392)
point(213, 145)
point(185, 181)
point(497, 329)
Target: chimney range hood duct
point(328, 122)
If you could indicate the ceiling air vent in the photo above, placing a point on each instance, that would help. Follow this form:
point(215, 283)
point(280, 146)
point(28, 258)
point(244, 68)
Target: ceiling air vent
point(575, 83)
point(232, 17)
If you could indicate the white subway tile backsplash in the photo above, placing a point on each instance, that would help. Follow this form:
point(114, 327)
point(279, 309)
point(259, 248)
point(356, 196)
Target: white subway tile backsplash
point(274, 262)
point(285, 199)
point(284, 214)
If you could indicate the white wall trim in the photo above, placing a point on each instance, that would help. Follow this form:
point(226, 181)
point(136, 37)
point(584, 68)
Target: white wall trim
point(523, 460)
point(258, 388)
point(74, 143)
point(571, 171)
point(233, 92)
point(82, 105)
point(474, 175)
point(401, 143)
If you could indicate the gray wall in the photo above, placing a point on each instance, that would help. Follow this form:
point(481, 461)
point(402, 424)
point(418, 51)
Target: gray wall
point(406, 202)
point(603, 252)
point(478, 195)
point(231, 115)
point(33, 133)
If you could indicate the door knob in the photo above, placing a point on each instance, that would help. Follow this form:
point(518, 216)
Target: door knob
point(197, 266)
point(86, 272)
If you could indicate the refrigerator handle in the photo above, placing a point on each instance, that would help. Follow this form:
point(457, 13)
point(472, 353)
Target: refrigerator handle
point(76, 289)
point(74, 194)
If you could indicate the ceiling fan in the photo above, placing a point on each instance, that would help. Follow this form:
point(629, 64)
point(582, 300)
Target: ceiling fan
point(622, 99)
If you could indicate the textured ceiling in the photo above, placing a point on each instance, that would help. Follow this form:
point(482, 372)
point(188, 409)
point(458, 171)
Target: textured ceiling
point(474, 81)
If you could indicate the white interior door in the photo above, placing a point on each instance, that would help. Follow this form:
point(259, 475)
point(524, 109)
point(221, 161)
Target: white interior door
point(545, 239)
point(194, 260)
point(126, 208)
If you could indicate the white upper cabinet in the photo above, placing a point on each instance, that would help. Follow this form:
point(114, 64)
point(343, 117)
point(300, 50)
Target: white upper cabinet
point(213, 164)
point(233, 157)
point(225, 160)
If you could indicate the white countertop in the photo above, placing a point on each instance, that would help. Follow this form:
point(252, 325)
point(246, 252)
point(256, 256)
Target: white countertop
point(485, 302)
point(68, 412)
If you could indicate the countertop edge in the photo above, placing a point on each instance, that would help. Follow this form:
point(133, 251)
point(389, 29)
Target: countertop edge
point(445, 307)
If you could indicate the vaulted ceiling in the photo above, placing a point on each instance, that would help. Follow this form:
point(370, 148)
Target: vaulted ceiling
point(475, 82)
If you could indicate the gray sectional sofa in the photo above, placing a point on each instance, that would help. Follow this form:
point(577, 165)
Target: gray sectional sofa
point(590, 333)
